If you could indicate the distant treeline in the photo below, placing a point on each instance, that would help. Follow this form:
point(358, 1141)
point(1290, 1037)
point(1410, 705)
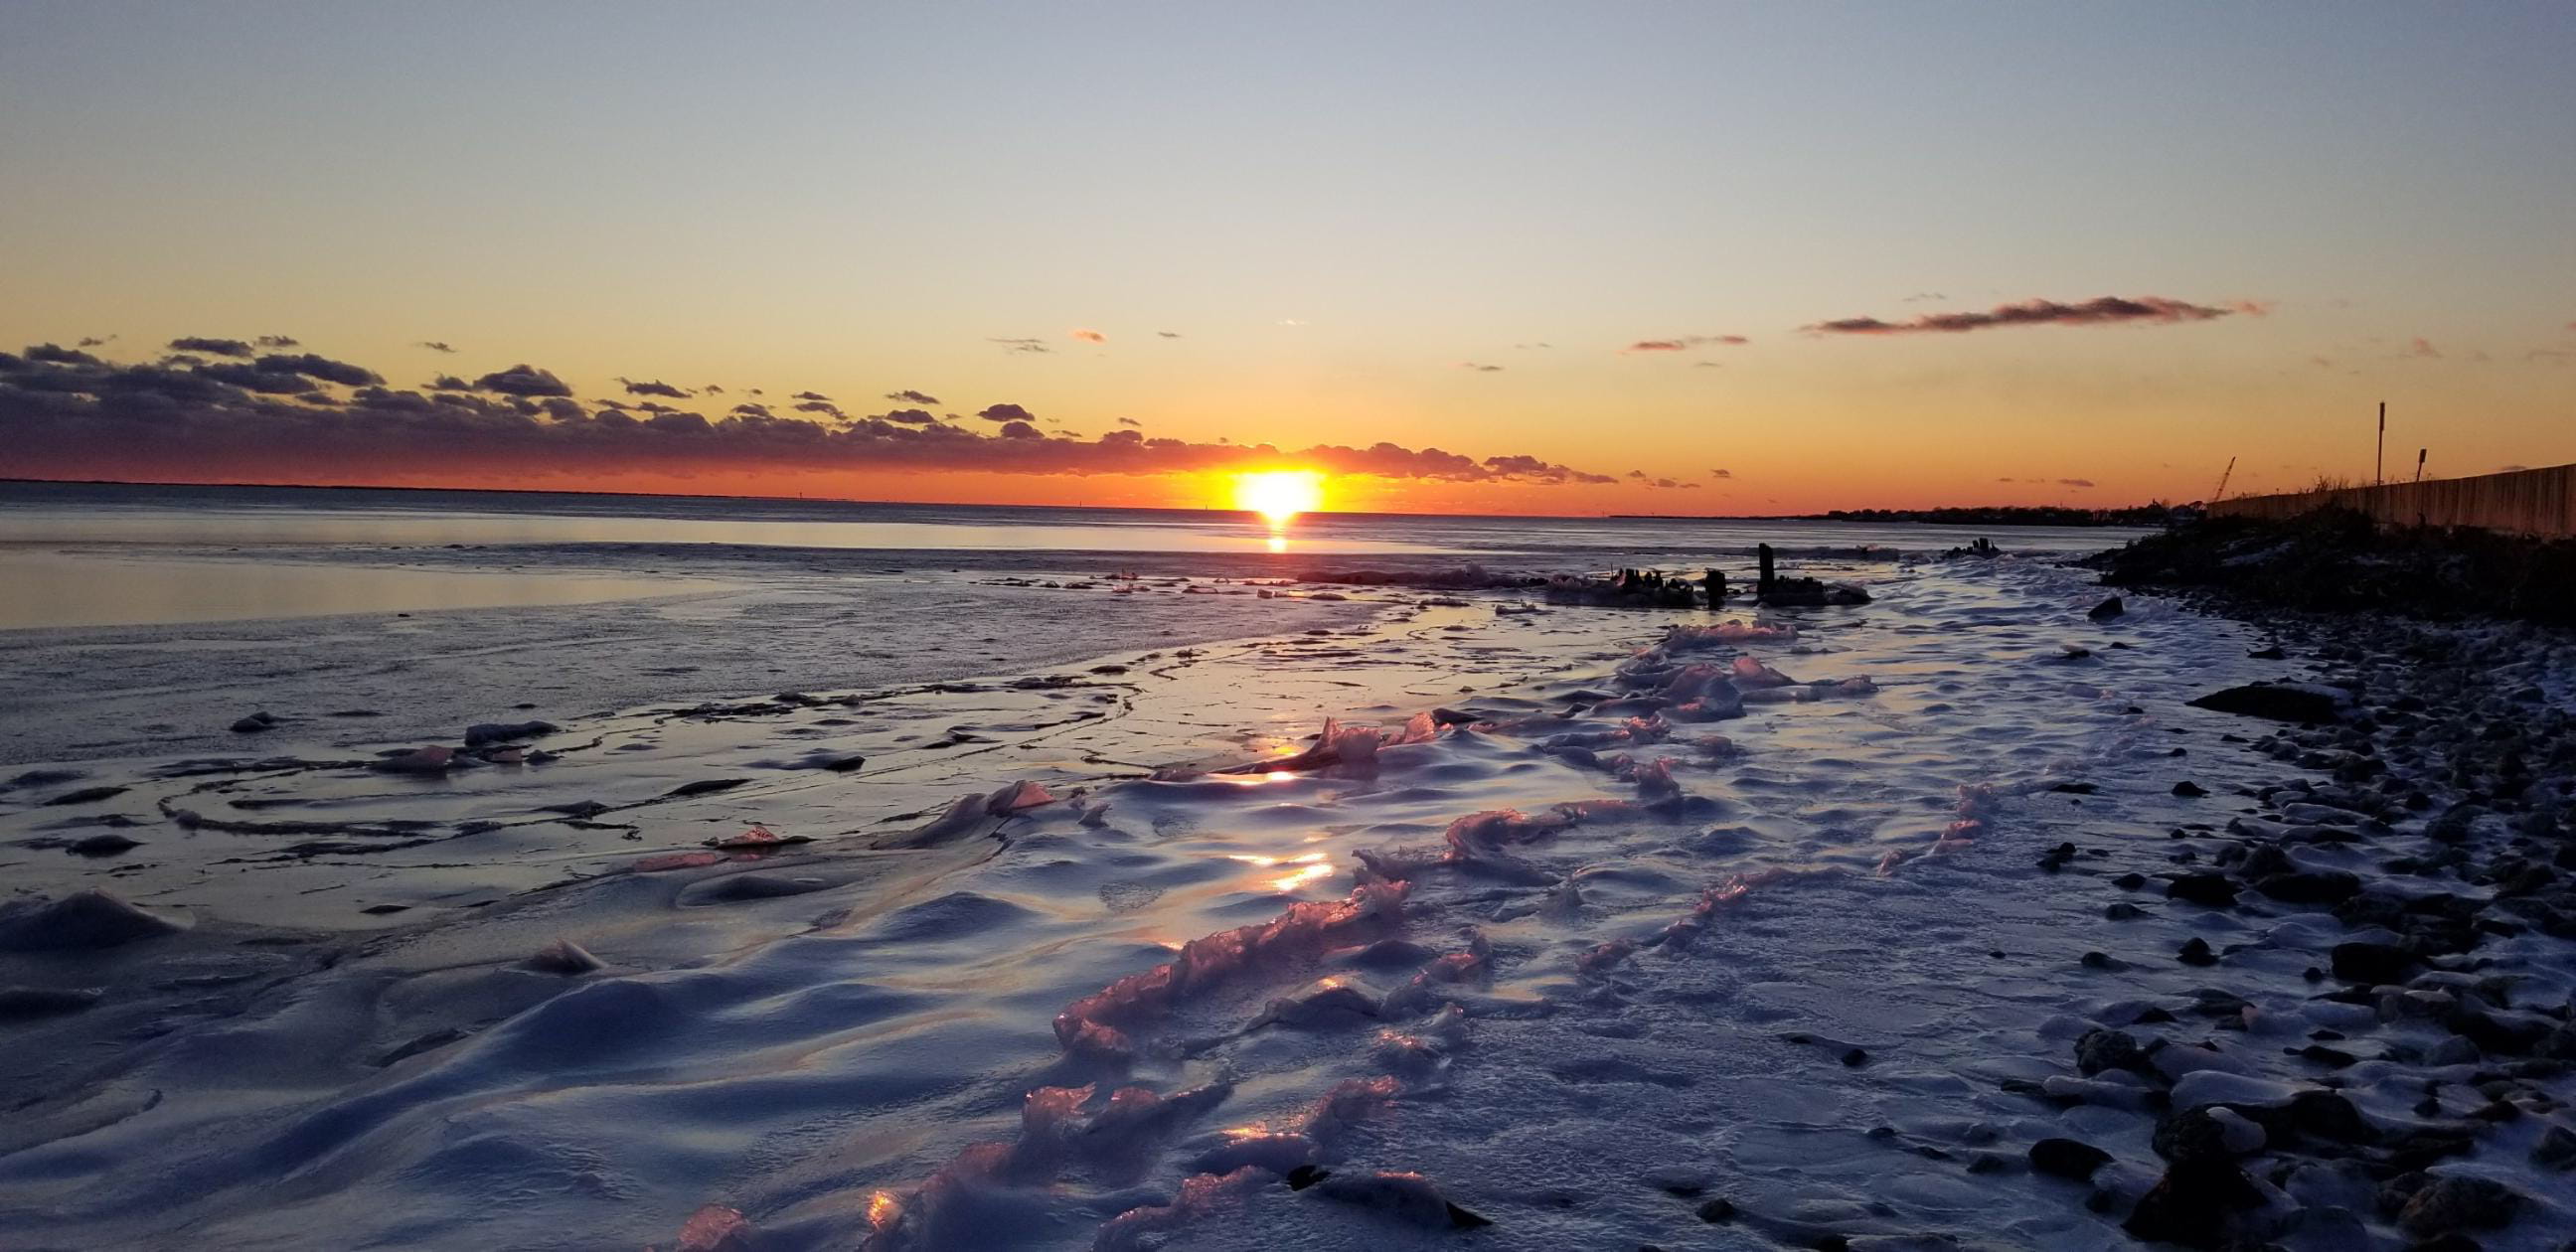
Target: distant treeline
point(2157, 514)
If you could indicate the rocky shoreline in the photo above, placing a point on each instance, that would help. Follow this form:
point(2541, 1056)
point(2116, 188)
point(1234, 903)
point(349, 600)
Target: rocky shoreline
point(2433, 1041)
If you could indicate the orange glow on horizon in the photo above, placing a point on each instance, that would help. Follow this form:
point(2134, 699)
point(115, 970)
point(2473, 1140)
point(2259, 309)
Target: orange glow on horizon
point(1279, 495)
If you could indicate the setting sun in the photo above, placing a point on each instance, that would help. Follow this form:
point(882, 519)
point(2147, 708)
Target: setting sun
point(1279, 494)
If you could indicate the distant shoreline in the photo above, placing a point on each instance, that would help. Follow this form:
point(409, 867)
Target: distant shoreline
point(1925, 516)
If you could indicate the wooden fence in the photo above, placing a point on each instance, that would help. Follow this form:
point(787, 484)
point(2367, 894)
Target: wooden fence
point(2523, 502)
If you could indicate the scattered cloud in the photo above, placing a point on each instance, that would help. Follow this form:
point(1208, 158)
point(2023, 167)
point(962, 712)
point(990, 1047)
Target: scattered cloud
point(93, 341)
point(2422, 348)
point(1707, 365)
point(2075, 482)
point(811, 395)
point(909, 396)
point(1922, 296)
point(1168, 334)
point(1533, 344)
point(1721, 473)
point(277, 341)
point(213, 347)
point(324, 368)
point(1090, 336)
point(714, 390)
point(1022, 345)
point(2101, 311)
point(1291, 321)
point(824, 407)
point(654, 388)
point(2254, 308)
point(1681, 342)
point(522, 380)
point(1481, 369)
point(435, 345)
point(447, 382)
point(66, 413)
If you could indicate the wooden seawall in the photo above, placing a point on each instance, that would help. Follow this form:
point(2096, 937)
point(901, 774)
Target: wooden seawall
point(2523, 502)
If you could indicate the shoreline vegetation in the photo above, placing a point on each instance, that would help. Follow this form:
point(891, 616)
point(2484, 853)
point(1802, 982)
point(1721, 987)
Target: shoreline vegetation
point(2339, 561)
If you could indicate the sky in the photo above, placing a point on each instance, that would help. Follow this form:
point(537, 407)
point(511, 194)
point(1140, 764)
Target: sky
point(1492, 257)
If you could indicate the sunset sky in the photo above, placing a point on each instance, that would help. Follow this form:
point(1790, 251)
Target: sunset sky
point(1774, 258)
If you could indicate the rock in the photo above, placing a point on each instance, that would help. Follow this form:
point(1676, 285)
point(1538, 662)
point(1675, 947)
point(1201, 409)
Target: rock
point(2330, 1116)
point(2365, 961)
point(2189, 790)
point(2195, 951)
point(102, 845)
point(2236, 1133)
point(2067, 1158)
point(2192, 1203)
point(2556, 1150)
point(483, 733)
point(1717, 1211)
point(434, 759)
point(2212, 889)
point(2105, 1049)
point(19, 1003)
point(255, 723)
point(2452, 1203)
point(565, 957)
point(85, 795)
point(2310, 886)
point(86, 919)
point(2307, 703)
point(2107, 610)
point(703, 786)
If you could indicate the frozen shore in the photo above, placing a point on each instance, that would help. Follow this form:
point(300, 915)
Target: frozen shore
point(1945, 921)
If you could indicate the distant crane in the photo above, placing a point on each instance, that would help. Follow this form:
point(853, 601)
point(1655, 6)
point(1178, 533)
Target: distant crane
point(2229, 472)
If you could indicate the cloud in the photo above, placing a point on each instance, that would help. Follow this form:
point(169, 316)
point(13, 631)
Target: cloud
point(1639, 475)
point(1708, 365)
point(750, 409)
point(1481, 369)
point(1006, 413)
point(1022, 345)
point(811, 395)
point(909, 417)
point(825, 407)
point(1922, 296)
point(67, 414)
point(213, 347)
point(2254, 308)
point(324, 368)
point(93, 341)
point(447, 382)
point(435, 345)
point(714, 390)
point(1090, 336)
point(2075, 482)
point(909, 396)
point(523, 380)
point(2100, 311)
point(1681, 342)
point(2423, 348)
point(1129, 421)
point(1721, 473)
point(653, 388)
point(1168, 334)
point(1533, 345)
point(277, 341)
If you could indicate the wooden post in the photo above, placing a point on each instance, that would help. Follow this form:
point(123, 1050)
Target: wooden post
point(2419, 463)
point(2379, 459)
point(1762, 580)
point(1715, 580)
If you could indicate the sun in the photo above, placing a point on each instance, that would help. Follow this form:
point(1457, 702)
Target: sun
point(1279, 494)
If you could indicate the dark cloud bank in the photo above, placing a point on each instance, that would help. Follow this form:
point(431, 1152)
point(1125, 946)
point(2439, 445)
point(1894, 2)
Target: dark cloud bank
point(280, 417)
point(2100, 311)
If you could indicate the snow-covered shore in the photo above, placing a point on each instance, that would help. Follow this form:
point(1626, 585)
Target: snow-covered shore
point(1575, 934)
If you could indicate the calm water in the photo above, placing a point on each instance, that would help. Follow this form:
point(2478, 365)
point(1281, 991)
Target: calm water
point(89, 554)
